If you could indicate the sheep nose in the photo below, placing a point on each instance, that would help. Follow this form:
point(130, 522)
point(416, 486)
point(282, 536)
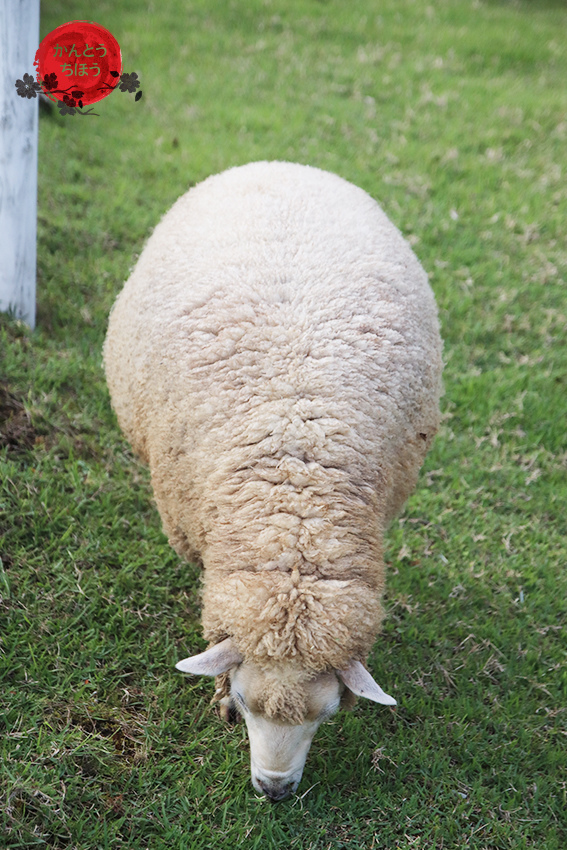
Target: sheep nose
point(276, 791)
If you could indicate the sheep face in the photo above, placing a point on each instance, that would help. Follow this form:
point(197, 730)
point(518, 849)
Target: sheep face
point(283, 706)
point(282, 714)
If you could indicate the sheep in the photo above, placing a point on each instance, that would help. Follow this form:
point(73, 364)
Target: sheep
point(275, 358)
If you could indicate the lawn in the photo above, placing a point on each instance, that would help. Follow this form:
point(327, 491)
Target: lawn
point(453, 115)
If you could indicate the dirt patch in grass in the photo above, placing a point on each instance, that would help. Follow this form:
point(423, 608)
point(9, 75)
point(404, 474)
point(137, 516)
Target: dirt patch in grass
point(16, 428)
point(22, 431)
point(123, 733)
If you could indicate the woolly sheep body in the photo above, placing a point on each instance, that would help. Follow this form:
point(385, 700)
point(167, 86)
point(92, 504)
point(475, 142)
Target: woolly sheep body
point(275, 357)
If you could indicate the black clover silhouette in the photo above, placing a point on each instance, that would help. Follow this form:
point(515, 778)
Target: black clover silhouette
point(129, 82)
point(67, 106)
point(27, 87)
point(49, 82)
point(73, 104)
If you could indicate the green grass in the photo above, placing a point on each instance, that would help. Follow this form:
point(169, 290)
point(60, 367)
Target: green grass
point(453, 115)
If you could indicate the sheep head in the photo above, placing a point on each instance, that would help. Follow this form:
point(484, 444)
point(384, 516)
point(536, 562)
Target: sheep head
point(283, 706)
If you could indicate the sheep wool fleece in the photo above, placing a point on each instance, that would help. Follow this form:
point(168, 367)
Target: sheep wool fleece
point(275, 357)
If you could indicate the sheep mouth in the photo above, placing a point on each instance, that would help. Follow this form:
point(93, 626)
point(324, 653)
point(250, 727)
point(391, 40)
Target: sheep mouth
point(275, 790)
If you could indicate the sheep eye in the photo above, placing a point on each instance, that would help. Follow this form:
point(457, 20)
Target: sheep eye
point(239, 699)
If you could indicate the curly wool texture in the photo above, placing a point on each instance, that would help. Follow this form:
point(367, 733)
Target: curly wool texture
point(317, 622)
point(275, 357)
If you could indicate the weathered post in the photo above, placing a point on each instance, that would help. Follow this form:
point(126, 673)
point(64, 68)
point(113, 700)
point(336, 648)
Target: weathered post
point(19, 40)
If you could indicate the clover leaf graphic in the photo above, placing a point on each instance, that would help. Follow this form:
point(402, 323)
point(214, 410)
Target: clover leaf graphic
point(27, 87)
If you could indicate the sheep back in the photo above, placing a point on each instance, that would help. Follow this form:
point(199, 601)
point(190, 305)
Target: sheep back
point(275, 357)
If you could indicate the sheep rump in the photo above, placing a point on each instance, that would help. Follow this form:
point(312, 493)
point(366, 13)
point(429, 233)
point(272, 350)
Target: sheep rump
point(275, 357)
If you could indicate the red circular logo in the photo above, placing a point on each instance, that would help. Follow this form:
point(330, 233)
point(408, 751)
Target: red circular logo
point(80, 62)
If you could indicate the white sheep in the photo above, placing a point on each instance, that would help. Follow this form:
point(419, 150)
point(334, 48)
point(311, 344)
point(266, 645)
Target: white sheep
point(275, 357)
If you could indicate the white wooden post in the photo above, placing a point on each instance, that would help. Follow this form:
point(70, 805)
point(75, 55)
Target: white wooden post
point(19, 40)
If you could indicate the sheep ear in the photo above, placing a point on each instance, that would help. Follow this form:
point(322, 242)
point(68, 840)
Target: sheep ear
point(360, 682)
point(215, 660)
